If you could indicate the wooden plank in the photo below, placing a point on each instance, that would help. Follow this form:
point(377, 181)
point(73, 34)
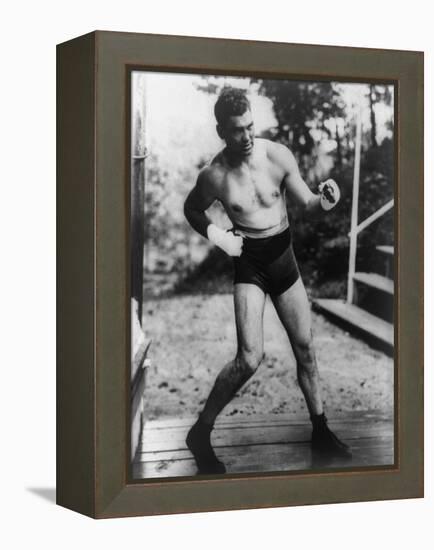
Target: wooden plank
point(241, 450)
point(366, 448)
point(139, 359)
point(188, 467)
point(137, 213)
point(292, 431)
point(173, 437)
point(138, 389)
point(271, 419)
point(268, 458)
point(387, 249)
point(359, 320)
point(375, 280)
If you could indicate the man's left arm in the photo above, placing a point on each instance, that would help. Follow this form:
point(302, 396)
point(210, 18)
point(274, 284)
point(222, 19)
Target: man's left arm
point(297, 188)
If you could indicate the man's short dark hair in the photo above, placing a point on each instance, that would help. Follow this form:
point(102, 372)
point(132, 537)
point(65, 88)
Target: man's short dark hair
point(231, 102)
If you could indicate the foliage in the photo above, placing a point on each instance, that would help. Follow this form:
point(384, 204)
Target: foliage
point(300, 108)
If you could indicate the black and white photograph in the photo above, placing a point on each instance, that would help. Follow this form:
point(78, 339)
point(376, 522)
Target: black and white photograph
point(262, 275)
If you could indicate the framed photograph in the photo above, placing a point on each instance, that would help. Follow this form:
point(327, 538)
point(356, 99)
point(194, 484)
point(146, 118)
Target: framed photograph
point(240, 274)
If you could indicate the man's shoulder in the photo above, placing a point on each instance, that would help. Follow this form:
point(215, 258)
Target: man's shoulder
point(210, 175)
point(278, 153)
point(274, 147)
point(213, 170)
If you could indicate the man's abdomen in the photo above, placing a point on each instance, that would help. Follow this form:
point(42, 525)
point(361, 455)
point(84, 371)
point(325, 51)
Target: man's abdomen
point(264, 222)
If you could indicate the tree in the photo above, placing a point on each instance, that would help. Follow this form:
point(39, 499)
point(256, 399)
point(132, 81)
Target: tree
point(304, 110)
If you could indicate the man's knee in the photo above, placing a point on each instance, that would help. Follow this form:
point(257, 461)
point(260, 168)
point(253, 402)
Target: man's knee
point(248, 361)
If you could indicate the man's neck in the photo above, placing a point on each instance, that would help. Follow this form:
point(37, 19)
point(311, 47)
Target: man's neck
point(235, 160)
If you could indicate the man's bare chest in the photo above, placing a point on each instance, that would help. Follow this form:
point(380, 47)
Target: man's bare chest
point(248, 189)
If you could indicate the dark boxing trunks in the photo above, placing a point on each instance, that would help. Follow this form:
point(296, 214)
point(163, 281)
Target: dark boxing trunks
point(267, 262)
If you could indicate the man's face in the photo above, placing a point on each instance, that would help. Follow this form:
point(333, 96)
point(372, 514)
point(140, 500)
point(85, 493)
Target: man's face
point(238, 133)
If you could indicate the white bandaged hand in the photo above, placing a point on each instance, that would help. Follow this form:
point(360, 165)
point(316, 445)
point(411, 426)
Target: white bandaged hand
point(329, 194)
point(227, 241)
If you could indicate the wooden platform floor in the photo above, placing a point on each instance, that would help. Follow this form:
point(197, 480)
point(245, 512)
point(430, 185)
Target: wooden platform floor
point(267, 443)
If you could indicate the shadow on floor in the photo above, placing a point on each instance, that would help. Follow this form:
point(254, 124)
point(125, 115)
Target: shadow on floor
point(47, 493)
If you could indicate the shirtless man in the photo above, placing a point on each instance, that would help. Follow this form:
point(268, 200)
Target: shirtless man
point(251, 177)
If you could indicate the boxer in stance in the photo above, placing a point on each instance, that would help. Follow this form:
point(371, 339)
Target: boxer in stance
point(251, 178)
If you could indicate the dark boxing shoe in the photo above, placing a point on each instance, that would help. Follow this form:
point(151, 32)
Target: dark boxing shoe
point(199, 443)
point(326, 443)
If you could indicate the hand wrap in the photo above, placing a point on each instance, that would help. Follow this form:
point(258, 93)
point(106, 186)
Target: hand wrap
point(329, 194)
point(226, 240)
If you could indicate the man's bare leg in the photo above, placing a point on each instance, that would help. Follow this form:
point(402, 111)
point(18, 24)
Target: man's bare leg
point(249, 303)
point(294, 311)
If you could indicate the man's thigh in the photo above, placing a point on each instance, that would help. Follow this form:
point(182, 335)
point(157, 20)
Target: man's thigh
point(294, 312)
point(249, 303)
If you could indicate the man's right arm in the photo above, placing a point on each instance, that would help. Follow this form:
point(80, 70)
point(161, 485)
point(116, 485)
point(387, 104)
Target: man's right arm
point(198, 201)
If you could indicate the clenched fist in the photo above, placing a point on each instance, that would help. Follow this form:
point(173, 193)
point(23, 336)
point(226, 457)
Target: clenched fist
point(227, 241)
point(329, 194)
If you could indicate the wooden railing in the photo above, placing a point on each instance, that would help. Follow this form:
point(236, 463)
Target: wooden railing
point(356, 227)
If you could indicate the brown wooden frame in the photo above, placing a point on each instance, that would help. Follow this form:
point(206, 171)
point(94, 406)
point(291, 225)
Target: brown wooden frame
point(93, 273)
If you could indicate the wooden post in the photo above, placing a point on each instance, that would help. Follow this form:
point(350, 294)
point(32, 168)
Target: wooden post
point(355, 205)
point(137, 221)
point(139, 346)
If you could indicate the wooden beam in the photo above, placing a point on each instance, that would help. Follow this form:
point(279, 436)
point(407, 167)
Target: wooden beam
point(355, 205)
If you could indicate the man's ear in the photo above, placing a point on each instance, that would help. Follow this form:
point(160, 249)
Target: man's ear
point(220, 131)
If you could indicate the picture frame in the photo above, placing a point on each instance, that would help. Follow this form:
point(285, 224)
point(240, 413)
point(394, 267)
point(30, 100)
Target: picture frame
point(93, 331)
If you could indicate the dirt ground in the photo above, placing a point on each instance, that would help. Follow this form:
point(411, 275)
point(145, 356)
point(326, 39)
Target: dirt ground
point(194, 336)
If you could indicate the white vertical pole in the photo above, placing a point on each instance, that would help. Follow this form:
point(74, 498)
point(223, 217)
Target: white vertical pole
point(355, 204)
